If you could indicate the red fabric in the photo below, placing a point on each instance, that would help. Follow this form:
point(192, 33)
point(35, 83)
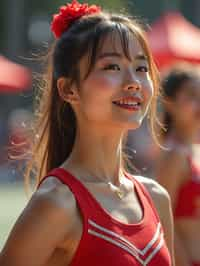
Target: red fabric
point(195, 264)
point(188, 199)
point(173, 38)
point(13, 77)
point(68, 14)
point(107, 241)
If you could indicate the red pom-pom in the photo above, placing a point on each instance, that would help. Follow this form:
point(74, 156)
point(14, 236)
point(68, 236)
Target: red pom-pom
point(68, 14)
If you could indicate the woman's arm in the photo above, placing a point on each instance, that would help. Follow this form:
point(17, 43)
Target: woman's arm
point(162, 203)
point(41, 227)
point(170, 174)
point(181, 256)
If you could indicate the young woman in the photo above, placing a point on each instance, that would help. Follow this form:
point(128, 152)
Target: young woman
point(87, 209)
point(178, 168)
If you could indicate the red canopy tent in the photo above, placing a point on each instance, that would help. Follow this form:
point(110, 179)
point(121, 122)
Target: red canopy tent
point(13, 77)
point(172, 38)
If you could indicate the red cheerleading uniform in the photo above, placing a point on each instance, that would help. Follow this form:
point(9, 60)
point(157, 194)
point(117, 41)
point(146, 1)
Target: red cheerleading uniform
point(107, 241)
point(188, 199)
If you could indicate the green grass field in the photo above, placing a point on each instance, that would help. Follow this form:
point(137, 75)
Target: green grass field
point(12, 201)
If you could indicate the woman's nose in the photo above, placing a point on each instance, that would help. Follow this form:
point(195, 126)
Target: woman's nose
point(132, 82)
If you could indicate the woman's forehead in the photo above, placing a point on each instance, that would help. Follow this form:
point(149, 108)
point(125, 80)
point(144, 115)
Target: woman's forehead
point(113, 43)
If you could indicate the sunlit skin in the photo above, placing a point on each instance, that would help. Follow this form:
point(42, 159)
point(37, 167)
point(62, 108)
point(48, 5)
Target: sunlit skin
point(115, 77)
point(102, 126)
point(185, 112)
point(187, 128)
point(94, 160)
point(101, 123)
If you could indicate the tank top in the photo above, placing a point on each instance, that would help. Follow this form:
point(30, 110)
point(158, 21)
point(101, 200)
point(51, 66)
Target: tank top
point(107, 241)
point(188, 195)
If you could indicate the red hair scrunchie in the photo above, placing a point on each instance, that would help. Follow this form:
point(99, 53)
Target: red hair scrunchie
point(68, 14)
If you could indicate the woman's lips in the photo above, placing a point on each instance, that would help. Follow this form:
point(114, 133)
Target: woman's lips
point(131, 107)
point(130, 103)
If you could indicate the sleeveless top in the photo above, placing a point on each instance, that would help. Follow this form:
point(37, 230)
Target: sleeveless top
point(188, 197)
point(107, 241)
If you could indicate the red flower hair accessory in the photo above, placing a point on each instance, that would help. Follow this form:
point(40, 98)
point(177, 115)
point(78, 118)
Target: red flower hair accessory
point(68, 14)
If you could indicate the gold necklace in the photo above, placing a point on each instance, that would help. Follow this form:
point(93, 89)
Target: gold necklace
point(117, 190)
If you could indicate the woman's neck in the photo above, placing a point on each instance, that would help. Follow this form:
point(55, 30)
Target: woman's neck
point(97, 154)
point(185, 136)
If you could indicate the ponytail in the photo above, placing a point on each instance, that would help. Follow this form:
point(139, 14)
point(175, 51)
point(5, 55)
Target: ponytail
point(54, 130)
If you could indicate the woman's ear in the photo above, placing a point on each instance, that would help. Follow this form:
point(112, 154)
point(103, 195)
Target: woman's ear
point(67, 91)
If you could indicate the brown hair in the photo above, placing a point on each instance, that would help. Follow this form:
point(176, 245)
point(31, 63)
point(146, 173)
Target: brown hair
point(172, 83)
point(55, 124)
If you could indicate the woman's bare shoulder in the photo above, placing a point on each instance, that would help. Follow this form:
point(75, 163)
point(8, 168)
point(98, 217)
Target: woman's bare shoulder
point(56, 202)
point(50, 209)
point(156, 191)
point(160, 197)
point(52, 198)
point(162, 203)
point(55, 194)
point(52, 205)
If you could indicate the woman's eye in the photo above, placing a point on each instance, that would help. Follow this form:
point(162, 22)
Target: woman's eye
point(142, 69)
point(112, 67)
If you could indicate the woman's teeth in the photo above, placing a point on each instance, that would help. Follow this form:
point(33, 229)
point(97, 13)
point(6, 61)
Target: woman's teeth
point(129, 103)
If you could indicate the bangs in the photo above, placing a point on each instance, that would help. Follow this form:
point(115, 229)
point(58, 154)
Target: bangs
point(119, 36)
point(114, 31)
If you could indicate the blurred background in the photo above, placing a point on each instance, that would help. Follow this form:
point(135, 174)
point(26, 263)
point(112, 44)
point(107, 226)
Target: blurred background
point(25, 32)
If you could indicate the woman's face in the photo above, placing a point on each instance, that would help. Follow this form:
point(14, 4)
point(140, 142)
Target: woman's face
point(186, 108)
point(118, 90)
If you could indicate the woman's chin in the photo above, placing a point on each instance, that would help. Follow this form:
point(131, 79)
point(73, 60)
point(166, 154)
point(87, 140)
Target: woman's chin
point(131, 122)
point(130, 125)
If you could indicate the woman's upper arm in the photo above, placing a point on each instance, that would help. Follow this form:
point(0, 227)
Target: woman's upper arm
point(162, 203)
point(166, 216)
point(37, 232)
point(169, 173)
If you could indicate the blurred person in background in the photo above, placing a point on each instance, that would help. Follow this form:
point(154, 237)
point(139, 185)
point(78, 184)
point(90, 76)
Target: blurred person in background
point(87, 209)
point(16, 143)
point(142, 150)
point(14, 79)
point(19, 125)
point(178, 167)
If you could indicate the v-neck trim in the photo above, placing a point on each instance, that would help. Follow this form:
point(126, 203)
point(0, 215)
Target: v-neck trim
point(100, 208)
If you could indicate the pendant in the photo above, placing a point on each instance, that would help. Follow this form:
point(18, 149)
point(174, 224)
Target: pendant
point(117, 190)
point(120, 194)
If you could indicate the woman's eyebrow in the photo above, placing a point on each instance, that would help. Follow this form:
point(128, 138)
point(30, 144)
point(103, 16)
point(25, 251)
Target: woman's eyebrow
point(109, 54)
point(139, 56)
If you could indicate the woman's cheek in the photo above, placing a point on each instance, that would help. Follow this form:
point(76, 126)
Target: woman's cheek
point(106, 82)
point(148, 89)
